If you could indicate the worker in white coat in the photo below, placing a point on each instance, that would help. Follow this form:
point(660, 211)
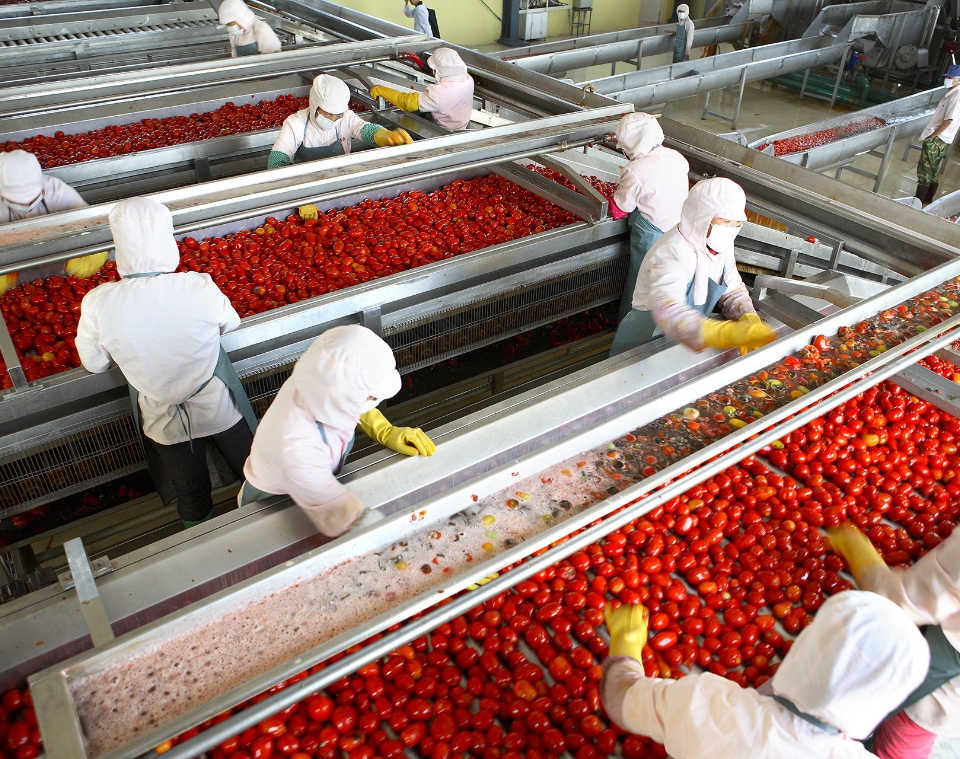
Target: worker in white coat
point(929, 592)
point(327, 127)
point(859, 657)
point(416, 10)
point(26, 192)
point(937, 136)
point(652, 190)
point(682, 35)
point(307, 433)
point(689, 271)
point(449, 100)
point(162, 329)
point(249, 35)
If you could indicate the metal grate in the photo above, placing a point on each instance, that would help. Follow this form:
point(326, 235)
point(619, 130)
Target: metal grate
point(68, 462)
point(424, 341)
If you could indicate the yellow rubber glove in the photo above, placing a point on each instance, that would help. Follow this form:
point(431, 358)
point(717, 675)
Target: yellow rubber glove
point(747, 333)
point(86, 266)
point(387, 137)
point(8, 282)
point(406, 440)
point(405, 101)
point(856, 548)
point(628, 630)
point(308, 212)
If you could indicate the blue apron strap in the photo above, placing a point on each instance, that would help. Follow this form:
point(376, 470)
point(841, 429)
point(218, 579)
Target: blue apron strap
point(944, 665)
point(346, 450)
point(225, 372)
point(792, 707)
point(249, 49)
point(144, 274)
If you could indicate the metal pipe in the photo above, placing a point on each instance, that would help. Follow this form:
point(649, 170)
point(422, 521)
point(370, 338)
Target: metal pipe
point(675, 481)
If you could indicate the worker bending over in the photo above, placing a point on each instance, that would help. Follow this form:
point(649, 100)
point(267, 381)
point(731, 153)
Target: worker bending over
point(248, 34)
point(682, 35)
point(416, 10)
point(327, 127)
point(450, 99)
point(652, 190)
point(858, 659)
point(307, 433)
point(929, 592)
point(937, 136)
point(689, 271)
point(162, 329)
point(26, 192)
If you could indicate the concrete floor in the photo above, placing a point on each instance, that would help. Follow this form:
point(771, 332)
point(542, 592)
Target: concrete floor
point(768, 109)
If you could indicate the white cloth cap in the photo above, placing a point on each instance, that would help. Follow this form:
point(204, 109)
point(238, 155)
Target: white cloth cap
point(330, 94)
point(143, 235)
point(340, 370)
point(856, 663)
point(708, 199)
point(447, 65)
point(236, 11)
point(21, 178)
point(683, 8)
point(638, 133)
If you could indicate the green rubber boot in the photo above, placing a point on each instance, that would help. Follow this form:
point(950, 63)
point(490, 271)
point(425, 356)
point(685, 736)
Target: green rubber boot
point(188, 523)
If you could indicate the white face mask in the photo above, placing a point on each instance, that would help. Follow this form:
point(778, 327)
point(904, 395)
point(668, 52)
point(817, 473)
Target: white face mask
point(324, 123)
point(21, 207)
point(681, 16)
point(721, 239)
point(369, 406)
point(948, 82)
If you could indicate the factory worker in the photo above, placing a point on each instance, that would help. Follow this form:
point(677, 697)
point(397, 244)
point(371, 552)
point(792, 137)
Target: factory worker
point(682, 35)
point(860, 656)
point(416, 10)
point(653, 187)
point(690, 270)
point(929, 592)
point(307, 433)
point(25, 192)
point(248, 34)
point(162, 329)
point(326, 127)
point(450, 99)
point(937, 136)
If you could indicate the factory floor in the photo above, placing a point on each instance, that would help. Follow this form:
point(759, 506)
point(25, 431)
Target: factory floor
point(769, 109)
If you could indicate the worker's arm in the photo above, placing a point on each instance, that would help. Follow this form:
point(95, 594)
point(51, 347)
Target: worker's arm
point(288, 141)
point(227, 316)
point(929, 591)
point(59, 196)
point(942, 128)
point(408, 10)
point(404, 100)
point(669, 275)
point(629, 189)
point(267, 40)
point(374, 134)
point(310, 483)
point(690, 30)
point(93, 355)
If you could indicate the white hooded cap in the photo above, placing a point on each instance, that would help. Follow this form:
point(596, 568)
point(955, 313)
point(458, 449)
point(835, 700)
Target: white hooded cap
point(330, 94)
point(638, 133)
point(342, 369)
point(683, 8)
point(143, 235)
point(709, 198)
point(447, 65)
point(856, 663)
point(21, 178)
point(236, 11)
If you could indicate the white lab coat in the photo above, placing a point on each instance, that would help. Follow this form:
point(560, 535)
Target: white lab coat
point(929, 592)
point(682, 255)
point(57, 196)
point(421, 19)
point(857, 661)
point(656, 185)
point(292, 134)
point(163, 332)
point(331, 384)
point(262, 33)
point(450, 102)
point(948, 109)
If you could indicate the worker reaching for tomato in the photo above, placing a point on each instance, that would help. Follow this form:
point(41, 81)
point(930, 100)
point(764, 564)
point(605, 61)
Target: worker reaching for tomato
point(307, 433)
point(26, 192)
point(162, 329)
point(929, 592)
point(689, 271)
point(249, 35)
point(327, 127)
point(449, 100)
point(860, 657)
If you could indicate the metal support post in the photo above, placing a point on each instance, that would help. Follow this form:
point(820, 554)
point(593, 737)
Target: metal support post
point(743, 85)
point(836, 84)
point(12, 361)
point(706, 107)
point(893, 52)
point(789, 264)
point(803, 87)
point(372, 319)
point(835, 256)
point(884, 162)
point(91, 606)
point(640, 53)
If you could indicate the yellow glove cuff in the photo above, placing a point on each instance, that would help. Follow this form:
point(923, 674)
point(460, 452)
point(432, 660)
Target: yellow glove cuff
point(308, 212)
point(856, 548)
point(86, 266)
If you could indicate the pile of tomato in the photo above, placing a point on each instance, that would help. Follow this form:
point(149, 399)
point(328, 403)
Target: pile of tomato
point(19, 734)
point(729, 571)
point(941, 367)
point(803, 142)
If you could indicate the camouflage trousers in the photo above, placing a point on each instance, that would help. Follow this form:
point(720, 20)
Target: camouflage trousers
point(931, 154)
